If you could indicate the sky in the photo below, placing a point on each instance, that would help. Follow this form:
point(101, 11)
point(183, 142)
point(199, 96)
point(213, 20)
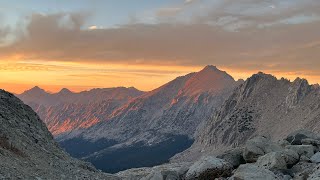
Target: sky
point(83, 44)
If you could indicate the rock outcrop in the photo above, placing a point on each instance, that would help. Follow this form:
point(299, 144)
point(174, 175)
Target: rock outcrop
point(28, 151)
point(258, 146)
point(253, 172)
point(265, 106)
point(174, 171)
point(209, 168)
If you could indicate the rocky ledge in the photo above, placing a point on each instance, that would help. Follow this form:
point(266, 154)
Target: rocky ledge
point(296, 157)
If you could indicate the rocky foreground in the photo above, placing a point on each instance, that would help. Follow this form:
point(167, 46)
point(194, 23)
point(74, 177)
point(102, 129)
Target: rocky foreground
point(296, 157)
point(28, 151)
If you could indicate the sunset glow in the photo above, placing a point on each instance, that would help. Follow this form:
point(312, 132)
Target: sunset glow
point(54, 76)
point(90, 45)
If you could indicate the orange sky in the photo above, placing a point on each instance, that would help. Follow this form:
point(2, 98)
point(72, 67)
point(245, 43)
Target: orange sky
point(52, 76)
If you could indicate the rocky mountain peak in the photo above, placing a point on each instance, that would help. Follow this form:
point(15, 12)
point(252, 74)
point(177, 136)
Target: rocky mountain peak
point(262, 76)
point(299, 89)
point(301, 82)
point(210, 80)
point(211, 67)
point(256, 83)
point(211, 70)
point(35, 91)
point(133, 88)
point(64, 91)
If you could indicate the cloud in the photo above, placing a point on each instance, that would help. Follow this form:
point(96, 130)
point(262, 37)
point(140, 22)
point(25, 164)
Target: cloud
point(92, 27)
point(258, 13)
point(227, 37)
point(189, 1)
point(164, 12)
point(4, 32)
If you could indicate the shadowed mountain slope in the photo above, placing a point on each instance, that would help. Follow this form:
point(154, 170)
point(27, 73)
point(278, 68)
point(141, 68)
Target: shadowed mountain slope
point(28, 151)
point(263, 105)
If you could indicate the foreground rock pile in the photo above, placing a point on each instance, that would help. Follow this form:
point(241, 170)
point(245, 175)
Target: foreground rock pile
point(297, 157)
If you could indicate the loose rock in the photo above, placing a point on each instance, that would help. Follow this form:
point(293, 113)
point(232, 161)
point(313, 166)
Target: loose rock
point(315, 158)
point(272, 161)
point(296, 137)
point(253, 172)
point(209, 167)
point(291, 157)
point(257, 147)
point(302, 170)
point(307, 150)
point(234, 157)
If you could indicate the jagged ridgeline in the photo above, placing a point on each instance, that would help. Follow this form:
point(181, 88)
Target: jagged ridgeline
point(266, 106)
point(27, 148)
point(262, 105)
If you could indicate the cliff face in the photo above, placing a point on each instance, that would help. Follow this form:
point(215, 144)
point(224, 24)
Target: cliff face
point(28, 151)
point(262, 105)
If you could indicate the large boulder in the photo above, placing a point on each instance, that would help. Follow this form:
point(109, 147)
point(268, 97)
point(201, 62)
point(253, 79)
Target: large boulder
point(309, 141)
point(162, 175)
point(209, 167)
point(315, 174)
point(315, 158)
point(259, 146)
point(302, 170)
point(291, 157)
point(297, 137)
point(234, 157)
point(303, 150)
point(253, 172)
point(165, 171)
point(272, 161)
point(283, 143)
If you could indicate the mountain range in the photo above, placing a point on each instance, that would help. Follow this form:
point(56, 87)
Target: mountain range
point(201, 113)
point(142, 124)
point(28, 150)
point(66, 111)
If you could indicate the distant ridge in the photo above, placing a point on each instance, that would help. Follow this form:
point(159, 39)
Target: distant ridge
point(65, 110)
